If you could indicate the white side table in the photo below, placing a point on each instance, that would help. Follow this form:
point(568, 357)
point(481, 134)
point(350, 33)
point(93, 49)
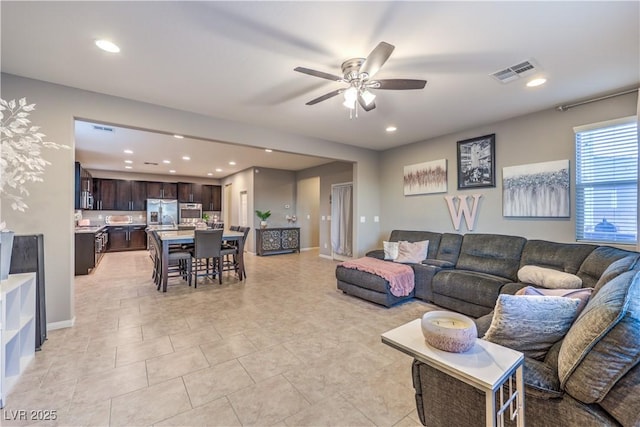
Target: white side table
point(486, 366)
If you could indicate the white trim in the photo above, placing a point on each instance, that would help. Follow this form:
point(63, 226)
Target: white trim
point(61, 325)
point(606, 123)
point(325, 256)
point(313, 248)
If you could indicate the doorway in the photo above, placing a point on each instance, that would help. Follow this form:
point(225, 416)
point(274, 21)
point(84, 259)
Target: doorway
point(342, 221)
point(227, 205)
point(244, 209)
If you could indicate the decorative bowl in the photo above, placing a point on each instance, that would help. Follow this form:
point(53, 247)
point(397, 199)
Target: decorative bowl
point(448, 331)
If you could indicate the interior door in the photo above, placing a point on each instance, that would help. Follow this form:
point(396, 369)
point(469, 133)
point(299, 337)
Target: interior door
point(342, 221)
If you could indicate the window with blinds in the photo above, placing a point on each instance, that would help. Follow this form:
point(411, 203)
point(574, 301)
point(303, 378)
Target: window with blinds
point(607, 182)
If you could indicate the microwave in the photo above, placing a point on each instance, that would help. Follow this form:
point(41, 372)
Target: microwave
point(190, 213)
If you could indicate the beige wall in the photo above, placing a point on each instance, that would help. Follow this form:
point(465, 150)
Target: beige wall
point(539, 137)
point(51, 202)
point(308, 211)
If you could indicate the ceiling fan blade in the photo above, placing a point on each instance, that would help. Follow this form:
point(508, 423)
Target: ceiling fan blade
point(325, 96)
point(364, 105)
point(376, 58)
point(318, 74)
point(399, 84)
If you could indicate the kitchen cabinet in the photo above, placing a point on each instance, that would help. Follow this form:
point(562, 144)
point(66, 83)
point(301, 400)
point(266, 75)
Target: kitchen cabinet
point(104, 194)
point(189, 192)
point(162, 190)
point(90, 247)
point(127, 238)
point(212, 198)
point(83, 188)
point(131, 195)
point(277, 240)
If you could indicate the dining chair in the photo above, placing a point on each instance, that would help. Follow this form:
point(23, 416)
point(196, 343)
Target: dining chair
point(233, 250)
point(179, 262)
point(218, 225)
point(207, 254)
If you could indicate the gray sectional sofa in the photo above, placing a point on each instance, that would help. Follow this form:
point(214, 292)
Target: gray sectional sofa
point(591, 377)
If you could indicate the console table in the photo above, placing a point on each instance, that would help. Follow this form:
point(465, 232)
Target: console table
point(487, 367)
point(277, 240)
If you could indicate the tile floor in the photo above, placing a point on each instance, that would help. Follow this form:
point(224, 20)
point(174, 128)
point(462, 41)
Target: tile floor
point(284, 347)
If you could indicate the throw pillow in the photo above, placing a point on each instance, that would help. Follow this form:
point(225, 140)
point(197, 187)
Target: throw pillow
point(390, 250)
point(581, 294)
point(548, 277)
point(531, 324)
point(412, 252)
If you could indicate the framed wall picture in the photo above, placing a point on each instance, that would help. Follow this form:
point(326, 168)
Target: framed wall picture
point(426, 178)
point(477, 162)
point(537, 190)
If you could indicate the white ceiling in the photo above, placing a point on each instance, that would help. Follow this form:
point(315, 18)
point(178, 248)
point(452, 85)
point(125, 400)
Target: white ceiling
point(235, 60)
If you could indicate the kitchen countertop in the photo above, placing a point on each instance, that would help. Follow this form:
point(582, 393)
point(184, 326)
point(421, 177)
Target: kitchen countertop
point(98, 228)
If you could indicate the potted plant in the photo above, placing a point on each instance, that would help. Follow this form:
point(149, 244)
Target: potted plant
point(20, 163)
point(263, 217)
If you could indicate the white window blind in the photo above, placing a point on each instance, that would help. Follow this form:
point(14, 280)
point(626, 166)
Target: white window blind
point(607, 182)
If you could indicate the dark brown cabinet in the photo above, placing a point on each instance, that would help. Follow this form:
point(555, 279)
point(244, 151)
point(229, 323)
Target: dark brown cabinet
point(189, 192)
point(278, 240)
point(104, 194)
point(131, 195)
point(212, 198)
point(127, 238)
point(162, 190)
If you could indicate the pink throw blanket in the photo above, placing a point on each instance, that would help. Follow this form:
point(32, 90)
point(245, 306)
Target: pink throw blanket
point(399, 276)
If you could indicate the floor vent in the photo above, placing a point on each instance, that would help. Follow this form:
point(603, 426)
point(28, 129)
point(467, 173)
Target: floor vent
point(516, 71)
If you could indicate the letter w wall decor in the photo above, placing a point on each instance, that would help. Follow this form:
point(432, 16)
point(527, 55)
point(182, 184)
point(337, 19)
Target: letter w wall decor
point(462, 209)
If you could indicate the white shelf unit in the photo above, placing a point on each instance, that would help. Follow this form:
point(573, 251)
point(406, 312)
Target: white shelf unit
point(17, 328)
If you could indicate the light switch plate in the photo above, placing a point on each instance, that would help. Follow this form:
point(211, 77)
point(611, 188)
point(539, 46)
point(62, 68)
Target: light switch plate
point(363, 219)
point(376, 219)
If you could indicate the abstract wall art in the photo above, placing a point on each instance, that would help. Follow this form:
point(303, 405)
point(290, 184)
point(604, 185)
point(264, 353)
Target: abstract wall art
point(426, 178)
point(536, 190)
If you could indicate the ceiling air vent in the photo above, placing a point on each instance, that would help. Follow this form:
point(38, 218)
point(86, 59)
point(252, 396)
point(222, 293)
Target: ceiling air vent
point(514, 72)
point(103, 128)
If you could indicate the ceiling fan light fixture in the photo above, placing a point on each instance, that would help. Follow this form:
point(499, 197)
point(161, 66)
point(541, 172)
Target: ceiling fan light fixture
point(368, 96)
point(350, 97)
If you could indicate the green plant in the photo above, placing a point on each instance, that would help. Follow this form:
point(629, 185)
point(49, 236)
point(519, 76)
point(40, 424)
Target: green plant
point(263, 215)
point(205, 217)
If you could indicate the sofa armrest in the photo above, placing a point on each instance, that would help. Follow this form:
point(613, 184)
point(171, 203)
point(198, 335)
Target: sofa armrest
point(438, 263)
point(378, 253)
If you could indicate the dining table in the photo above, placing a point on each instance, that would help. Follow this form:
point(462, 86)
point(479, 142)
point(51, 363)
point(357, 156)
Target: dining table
point(173, 237)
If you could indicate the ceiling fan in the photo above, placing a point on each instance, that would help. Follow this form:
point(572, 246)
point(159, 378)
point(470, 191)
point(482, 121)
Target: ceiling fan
point(358, 74)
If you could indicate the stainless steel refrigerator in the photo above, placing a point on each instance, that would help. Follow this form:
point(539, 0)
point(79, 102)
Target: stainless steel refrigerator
point(162, 212)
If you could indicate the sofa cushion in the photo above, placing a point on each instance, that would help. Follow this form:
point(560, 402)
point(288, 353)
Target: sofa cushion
point(548, 277)
point(418, 236)
point(597, 262)
point(567, 257)
point(449, 249)
point(616, 268)
point(470, 286)
point(494, 254)
point(438, 263)
point(412, 252)
point(541, 379)
point(604, 343)
point(390, 250)
point(582, 294)
point(623, 400)
point(531, 324)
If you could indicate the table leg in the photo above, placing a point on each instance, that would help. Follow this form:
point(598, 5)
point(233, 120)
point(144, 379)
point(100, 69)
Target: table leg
point(520, 389)
point(241, 258)
point(490, 399)
point(165, 264)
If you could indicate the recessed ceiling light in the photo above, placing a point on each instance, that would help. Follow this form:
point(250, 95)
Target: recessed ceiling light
point(210, 174)
point(536, 82)
point(391, 129)
point(186, 158)
point(172, 171)
point(128, 151)
point(178, 136)
point(218, 170)
point(268, 150)
point(128, 167)
point(128, 161)
point(232, 163)
point(107, 46)
point(166, 162)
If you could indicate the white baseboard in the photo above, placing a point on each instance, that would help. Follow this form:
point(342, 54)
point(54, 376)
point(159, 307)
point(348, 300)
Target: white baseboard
point(313, 248)
point(326, 256)
point(61, 325)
